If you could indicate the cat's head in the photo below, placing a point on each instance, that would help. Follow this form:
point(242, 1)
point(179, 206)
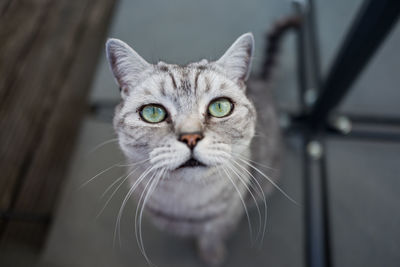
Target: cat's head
point(183, 118)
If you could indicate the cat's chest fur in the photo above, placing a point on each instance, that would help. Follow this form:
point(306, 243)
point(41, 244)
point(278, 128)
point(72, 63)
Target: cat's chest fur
point(190, 203)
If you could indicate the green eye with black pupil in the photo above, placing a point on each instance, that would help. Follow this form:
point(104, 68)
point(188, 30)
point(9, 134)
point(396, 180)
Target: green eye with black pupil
point(220, 108)
point(153, 113)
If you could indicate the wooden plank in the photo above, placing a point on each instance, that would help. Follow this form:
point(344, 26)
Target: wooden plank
point(4, 6)
point(29, 97)
point(30, 234)
point(41, 105)
point(14, 49)
point(46, 172)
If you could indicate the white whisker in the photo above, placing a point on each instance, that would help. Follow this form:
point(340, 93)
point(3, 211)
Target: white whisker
point(97, 175)
point(255, 162)
point(133, 187)
point(102, 144)
point(268, 179)
point(242, 200)
point(134, 163)
point(138, 208)
point(262, 194)
point(115, 191)
point(149, 192)
point(232, 168)
point(112, 185)
point(271, 181)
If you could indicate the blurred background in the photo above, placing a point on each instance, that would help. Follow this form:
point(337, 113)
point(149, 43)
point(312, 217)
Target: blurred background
point(56, 103)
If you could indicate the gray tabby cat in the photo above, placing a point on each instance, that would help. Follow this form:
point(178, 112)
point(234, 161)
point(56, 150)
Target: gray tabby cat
point(187, 131)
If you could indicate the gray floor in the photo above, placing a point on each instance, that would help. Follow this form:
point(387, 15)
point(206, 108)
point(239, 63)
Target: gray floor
point(363, 177)
point(365, 196)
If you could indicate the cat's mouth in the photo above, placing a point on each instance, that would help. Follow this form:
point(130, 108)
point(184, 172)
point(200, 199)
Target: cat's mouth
point(192, 163)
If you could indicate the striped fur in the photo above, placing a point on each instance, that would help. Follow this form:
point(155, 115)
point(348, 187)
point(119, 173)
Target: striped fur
point(198, 202)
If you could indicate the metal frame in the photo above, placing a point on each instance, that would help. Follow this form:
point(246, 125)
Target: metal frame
point(372, 24)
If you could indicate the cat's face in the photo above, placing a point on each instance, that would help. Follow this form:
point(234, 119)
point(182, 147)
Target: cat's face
point(183, 118)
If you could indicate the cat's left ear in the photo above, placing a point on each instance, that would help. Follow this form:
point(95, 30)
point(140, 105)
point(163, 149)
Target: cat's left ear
point(237, 59)
point(126, 65)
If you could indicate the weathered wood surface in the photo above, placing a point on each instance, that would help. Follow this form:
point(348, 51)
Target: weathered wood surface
point(48, 53)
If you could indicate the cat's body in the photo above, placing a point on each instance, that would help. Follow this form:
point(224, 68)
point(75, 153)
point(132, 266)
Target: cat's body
point(193, 187)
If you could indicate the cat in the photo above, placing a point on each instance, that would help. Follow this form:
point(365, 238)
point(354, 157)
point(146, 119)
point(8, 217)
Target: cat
point(187, 133)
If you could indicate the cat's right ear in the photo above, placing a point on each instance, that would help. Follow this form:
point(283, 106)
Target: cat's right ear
point(126, 65)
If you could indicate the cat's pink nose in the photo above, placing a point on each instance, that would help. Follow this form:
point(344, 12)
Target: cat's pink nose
point(190, 139)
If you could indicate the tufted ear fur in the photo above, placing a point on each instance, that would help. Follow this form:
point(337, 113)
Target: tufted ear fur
point(237, 59)
point(126, 65)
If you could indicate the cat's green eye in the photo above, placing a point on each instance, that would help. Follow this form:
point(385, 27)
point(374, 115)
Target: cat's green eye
point(220, 107)
point(153, 113)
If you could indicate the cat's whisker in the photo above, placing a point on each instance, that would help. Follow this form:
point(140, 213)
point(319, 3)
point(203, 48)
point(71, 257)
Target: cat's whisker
point(138, 211)
point(102, 144)
point(112, 195)
point(139, 205)
point(112, 185)
point(262, 194)
point(253, 161)
point(150, 191)
point(134, 163)
point(271, 181)
point(266, 177)
point(128, 195)
point(234, 170)
point(243, 202)
point(115, 191)
point(100, 173)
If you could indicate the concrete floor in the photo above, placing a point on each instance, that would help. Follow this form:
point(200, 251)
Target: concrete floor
point(364, 199)
point(363, 176)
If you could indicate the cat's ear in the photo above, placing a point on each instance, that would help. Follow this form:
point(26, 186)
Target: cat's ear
point(237, 59)
point(126, 65)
